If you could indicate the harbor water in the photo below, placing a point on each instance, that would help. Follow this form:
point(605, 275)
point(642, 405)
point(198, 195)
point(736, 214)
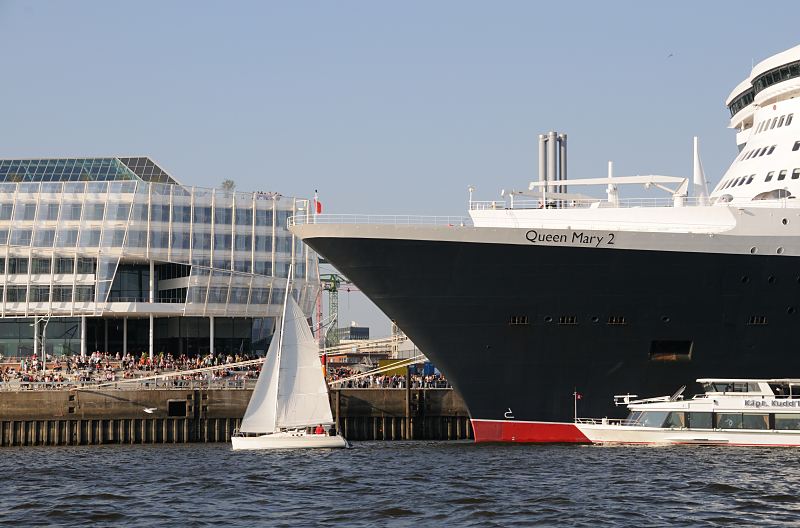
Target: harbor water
point(399, 484)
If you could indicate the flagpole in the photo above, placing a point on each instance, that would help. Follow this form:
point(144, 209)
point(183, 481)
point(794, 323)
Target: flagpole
point(575, 403)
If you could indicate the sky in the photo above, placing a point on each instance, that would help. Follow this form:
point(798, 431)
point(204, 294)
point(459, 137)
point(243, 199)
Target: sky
point(384, 107)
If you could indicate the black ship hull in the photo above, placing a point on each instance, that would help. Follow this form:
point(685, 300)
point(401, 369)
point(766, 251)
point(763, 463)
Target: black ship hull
point(520, 329)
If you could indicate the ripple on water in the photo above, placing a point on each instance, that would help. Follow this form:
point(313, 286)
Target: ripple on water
point(397, 484)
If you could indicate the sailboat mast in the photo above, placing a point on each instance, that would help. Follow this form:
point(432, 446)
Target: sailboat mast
point(280, 334)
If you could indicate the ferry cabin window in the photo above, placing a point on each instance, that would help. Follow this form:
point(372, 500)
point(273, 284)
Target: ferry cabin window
point(675, 420)
point(789, 119)
point(771, 150)
point(698, 420)
point(755, 421)
point(769, 176)
point(780, 123)
point(763, 151)
point(651, 418)
point(774, 122)
point(750, 179)
point(796, 146)
point(782, 175)
point(787, 422)
point(796, 174)
point(729, 420)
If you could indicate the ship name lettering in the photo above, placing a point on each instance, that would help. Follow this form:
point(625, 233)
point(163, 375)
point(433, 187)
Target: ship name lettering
point(534, 236)
point(578, 237)
point(592, 240)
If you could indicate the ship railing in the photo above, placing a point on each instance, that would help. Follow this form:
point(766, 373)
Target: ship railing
point(606, 421)
point(453, 221)
point(590, 203)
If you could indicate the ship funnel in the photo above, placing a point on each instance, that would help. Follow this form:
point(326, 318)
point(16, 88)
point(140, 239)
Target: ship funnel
point(699, 188)
point(553, 161)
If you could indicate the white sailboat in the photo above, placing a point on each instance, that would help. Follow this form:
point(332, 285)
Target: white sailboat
point(290, 395)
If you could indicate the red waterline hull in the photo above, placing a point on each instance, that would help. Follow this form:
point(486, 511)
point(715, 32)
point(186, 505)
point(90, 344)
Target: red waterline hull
point(527, 432)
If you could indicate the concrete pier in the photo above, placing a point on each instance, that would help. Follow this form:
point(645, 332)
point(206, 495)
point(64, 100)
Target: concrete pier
point(157, 416)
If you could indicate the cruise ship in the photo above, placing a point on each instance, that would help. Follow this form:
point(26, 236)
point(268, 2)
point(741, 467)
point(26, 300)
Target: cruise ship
point(557, 295)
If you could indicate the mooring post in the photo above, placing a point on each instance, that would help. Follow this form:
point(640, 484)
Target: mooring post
point(408, 435)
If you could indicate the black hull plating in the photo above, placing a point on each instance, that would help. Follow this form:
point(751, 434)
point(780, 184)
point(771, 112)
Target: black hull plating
point(456, 301)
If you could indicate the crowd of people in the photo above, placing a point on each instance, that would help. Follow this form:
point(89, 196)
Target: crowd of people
point(100, 367)
point(103, 367)
point(349, 378)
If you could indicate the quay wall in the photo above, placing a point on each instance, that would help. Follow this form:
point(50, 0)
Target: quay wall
point(115, 416)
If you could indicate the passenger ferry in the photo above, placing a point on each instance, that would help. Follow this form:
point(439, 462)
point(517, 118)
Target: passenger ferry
point(741, 412)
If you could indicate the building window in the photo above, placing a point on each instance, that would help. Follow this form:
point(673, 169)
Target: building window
point(159, 239)
point(40, 293)
point(244, 242)
point(48, 212)
point(16, 293)
point(201, 240)
point(17, 266)
point(90, 238)
point(94, 212)
point(72, 211)
point(118, 211)
point(136, 239)
point(202, 215)
point(222, 215)
point(263, 217)
point(84, 293)
point(181, 214)
point(222, 241)
point(5, 211)
point(44, 237)
point(21, 237)
point(244, 217)
point(62, 293)
point(25, 212)
point(65, 265)
point(159, 213)
point(40, 266)
point(86, 266)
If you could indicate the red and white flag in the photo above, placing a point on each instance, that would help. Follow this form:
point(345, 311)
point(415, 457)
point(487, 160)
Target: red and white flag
point(317, 204)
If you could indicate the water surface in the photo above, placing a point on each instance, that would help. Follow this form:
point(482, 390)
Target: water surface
point(400, 484)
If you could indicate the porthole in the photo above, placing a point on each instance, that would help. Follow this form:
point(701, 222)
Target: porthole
point(746, 279)
point(790, 310)
point(596, 319)
point(779, 251)
point(548, 319)
point(664, 318)
point(753, 250)
point(771, 279)
point(785, 221)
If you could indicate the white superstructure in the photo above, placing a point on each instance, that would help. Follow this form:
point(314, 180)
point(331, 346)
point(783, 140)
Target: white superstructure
point(729, 412)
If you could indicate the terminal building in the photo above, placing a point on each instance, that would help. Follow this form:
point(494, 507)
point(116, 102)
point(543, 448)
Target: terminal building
point(113, 254)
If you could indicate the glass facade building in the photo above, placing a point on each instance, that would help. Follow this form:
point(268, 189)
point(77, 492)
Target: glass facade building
point(113, 254)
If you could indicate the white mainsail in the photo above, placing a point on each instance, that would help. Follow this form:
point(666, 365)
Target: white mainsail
point(302, 391)
point(262, 409)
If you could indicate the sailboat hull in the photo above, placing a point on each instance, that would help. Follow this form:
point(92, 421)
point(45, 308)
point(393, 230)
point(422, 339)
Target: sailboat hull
point(288, 440)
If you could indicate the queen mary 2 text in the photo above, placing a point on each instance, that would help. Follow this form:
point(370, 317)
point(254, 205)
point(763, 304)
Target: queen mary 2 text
point(571, 237)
